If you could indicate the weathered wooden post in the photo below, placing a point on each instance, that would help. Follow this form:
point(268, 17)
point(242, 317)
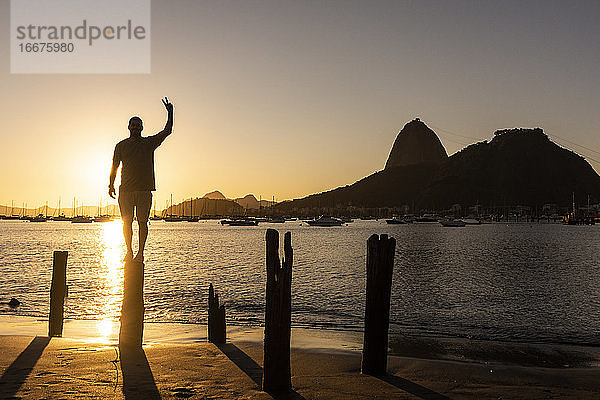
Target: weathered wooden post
point(380, 265)
point(58, 292)
point(132, 311)
point(217, 331)
point(278, 315)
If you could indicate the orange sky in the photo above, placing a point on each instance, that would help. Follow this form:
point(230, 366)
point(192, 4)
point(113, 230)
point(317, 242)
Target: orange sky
point(293, 98)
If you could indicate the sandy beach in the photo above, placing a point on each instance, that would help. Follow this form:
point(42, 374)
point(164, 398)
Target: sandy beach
point(325, 365)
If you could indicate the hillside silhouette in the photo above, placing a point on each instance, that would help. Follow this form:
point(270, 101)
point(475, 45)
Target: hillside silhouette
point(518, 167)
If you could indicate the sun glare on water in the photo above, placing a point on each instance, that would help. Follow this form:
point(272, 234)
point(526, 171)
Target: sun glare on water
point(110, 280)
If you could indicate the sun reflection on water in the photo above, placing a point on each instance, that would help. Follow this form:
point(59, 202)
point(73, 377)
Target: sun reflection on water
point(110, 283)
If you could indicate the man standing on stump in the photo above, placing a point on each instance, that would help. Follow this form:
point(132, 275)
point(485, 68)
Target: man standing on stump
point(137, 178)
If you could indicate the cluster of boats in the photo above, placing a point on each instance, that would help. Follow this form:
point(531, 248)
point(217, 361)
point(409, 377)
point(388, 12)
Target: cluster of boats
point(334, 221)
point(447, 222)
point(76, 219)
point(251, 221)
point(573, 219)
point(175, 218)
point(312, 221)
point(233, 221)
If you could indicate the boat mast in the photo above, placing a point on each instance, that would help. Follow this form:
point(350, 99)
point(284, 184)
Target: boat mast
point(588, 207)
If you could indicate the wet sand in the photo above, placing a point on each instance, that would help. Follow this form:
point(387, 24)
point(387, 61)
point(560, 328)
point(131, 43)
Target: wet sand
point(325, 365)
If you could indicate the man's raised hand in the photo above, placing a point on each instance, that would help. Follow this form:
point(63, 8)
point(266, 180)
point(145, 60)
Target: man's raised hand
point(167, 104)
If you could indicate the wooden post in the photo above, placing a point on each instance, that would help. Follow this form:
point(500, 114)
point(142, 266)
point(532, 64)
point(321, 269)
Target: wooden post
point(132, 311)
point(217, 331)
point(380, 265)
point(278, 315)
point(58, 292)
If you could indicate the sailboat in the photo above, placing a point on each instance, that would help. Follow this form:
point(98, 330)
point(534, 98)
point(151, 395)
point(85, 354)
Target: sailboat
point(12, 210)
point(24, 216)
point(325, 221)
point(191, 218)
point(40, 217)
point(155, 217)
point(171, 217)
point(61, 216)
point(102, 217)
point(576, 219)
point(80, 219)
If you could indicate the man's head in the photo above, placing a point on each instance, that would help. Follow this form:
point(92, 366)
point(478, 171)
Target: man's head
point(135, 126)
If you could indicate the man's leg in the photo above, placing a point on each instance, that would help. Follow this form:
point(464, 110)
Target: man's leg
point(126, 207)
point(142, 212)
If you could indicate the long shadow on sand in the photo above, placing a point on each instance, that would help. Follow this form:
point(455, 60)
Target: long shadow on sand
point(138, 381)
point(253, 370)
point(16, 374)
point(412, 388)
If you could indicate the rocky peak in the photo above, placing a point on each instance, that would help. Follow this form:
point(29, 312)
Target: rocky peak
point(216, 195)
point(416, 144)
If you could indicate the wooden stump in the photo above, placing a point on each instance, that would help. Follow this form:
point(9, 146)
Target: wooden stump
point(380, 265)
point(217, 330)
point(132, 311)
point(278, 315)
point(58, 292)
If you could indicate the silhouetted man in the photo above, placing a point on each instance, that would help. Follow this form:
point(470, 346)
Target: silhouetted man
point(137, 177)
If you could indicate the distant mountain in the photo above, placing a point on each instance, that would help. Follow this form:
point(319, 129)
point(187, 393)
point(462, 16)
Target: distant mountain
point(216, 195)
point(249, 201)
point(205, 207)
point(517, 167)
point(215, 204)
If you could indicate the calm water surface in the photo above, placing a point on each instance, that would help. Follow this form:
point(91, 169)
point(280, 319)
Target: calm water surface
point(522, 282)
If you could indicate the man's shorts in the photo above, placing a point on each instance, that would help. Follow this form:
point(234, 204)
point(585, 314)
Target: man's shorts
point(141, 200)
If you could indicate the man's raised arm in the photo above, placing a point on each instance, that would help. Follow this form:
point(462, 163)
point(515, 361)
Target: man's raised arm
point(162, 135)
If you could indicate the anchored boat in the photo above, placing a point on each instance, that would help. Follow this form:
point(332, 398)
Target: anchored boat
point(326, 221)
